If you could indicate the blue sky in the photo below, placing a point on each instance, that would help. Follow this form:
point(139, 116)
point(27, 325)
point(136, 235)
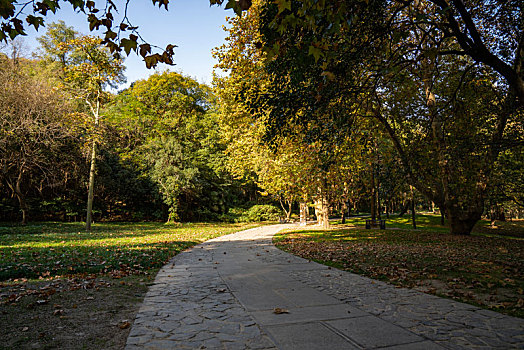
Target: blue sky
point(192, 25)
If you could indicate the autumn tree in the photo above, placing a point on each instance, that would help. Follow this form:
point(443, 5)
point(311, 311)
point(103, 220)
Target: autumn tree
point(421, 69)
point(35, 131)
point(296, 167)
point(86, 69)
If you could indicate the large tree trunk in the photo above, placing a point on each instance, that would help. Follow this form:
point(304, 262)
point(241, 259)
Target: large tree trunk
point(322, 212)
point(90, 193)
point(404, 208)
point(462, 223)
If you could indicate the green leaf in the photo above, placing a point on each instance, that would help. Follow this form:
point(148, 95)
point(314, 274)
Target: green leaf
point(283, 5)
point(110, 35)
point(315, 51)
point(152, 61)
point(145, 49)
point(51, 5)
point(35, 21)
point(233, 4)
point(77, 4)
point(128, 45)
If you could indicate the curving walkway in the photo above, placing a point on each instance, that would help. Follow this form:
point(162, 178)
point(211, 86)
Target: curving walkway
point(223, 294)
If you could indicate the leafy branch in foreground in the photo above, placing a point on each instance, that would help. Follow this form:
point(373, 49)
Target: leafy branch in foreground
point(119, 34)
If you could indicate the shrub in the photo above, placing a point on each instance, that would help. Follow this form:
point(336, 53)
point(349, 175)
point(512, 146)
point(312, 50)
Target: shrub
point(258, 213)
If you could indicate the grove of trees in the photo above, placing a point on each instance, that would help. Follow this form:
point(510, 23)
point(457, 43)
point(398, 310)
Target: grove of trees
point(371, 106)
point(440, 80)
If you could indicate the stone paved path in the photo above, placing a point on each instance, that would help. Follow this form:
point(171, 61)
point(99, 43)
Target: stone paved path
point(222, 295)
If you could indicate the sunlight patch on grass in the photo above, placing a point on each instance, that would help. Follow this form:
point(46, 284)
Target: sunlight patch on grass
point(51, 250)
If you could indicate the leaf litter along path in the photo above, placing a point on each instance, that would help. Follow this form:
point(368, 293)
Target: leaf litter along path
point(483, 271)
point(241, 292)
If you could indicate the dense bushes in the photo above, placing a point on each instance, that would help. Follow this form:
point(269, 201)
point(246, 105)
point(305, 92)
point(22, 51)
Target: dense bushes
point(256, 213)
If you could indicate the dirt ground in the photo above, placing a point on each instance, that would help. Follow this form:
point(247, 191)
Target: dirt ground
point(90, 313)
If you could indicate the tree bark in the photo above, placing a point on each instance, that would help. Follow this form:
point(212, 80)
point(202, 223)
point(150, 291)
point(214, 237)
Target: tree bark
point(462, 223)
point(413, 218)
point(343, 210)
point(90, 192)
point(325, 213)
point(23, 207)
point(322, 211)
point(303, 213)
point(283, 206)
point(17, 190)
point(404, 208)
point(373, 198)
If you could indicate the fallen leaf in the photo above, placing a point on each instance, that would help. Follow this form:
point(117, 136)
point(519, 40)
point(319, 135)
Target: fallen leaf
point(58, 312)
point(279, 311)
point(124, 325)
point(25, 329)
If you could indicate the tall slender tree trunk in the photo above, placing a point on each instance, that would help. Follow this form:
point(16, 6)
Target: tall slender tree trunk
point(92, 170)
point(90, 192)
point(373, 194)
point(17, 190)
point(23, 207)
point(377, 198)
point(413, 217)
point(343, 210)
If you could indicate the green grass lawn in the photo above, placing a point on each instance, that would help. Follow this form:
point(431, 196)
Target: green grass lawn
point(485, 269)
point(57, 249)
point(63, 288)
point(424, 221)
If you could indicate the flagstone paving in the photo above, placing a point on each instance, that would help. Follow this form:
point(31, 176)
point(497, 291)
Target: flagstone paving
point(241, 292)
